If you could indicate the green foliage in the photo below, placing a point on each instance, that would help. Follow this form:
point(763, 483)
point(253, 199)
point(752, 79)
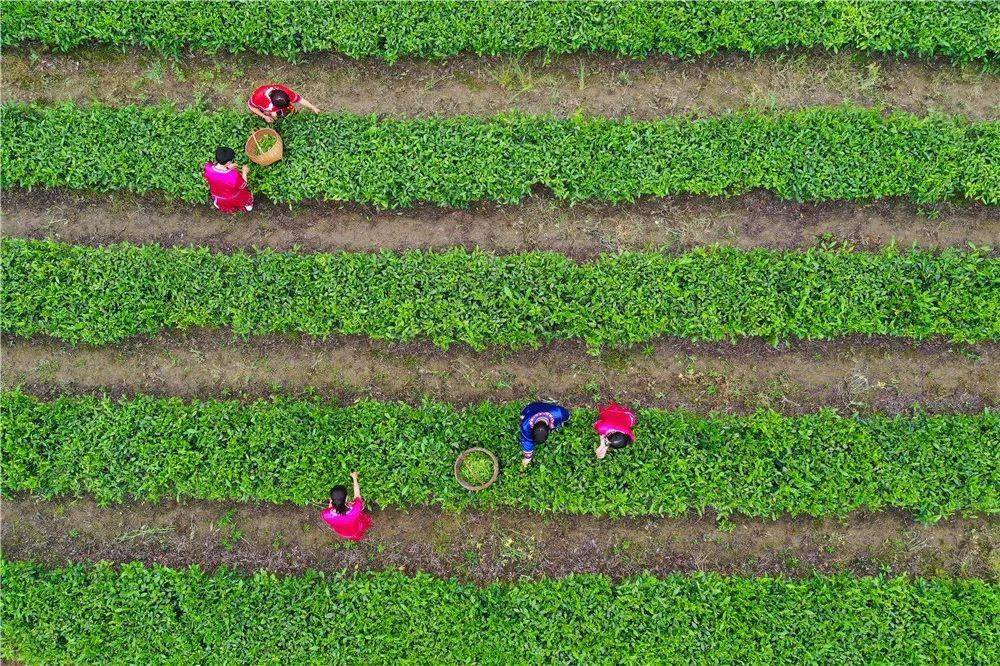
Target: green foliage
point(100, 295)
point(815, 154)
point(961, 31)
point(136, 614)
point(293, 450)
point(264, 144)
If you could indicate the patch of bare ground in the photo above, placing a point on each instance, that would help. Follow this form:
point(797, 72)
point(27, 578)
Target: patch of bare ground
point(491, 546)
point(470, 85)
point(581, 231)
point(854, 374)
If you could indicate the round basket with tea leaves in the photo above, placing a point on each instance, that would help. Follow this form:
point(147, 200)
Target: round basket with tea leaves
point(476, 469)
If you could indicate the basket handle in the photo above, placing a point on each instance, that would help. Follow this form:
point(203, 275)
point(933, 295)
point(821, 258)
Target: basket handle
point(253, 135)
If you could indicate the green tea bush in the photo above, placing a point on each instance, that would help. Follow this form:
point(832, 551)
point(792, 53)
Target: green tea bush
point(293, 450)
point(101, 295)
point(95, 614)
point(819, 154)
point(961, 31)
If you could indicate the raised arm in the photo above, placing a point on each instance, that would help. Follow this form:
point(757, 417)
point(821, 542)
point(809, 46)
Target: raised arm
point(357, 486)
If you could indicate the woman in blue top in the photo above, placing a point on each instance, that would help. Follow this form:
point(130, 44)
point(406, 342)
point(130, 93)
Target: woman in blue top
point(538, 419)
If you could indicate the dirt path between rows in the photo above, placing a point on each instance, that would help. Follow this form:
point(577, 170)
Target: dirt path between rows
point(856, 374)
point(581, 231)
point(593, 84)
point(491, 546)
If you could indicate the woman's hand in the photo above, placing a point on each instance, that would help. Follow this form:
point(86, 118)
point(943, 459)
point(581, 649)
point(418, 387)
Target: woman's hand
point(354, 475)
point(266, 116)
point(602, 448)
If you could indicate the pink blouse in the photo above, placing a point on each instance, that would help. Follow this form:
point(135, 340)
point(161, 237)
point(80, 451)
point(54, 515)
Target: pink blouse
point(351, 525)
point(224, 185)
point(615, 418)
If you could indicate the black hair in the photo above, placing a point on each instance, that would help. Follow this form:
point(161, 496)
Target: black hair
point(224, 155)
point(539, 432)
point(338, 495)
point(279, 98)
point(618, 440)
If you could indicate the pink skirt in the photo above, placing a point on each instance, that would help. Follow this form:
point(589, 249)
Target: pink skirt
point(243, 200)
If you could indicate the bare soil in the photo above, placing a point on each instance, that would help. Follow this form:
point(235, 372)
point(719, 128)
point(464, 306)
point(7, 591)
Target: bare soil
point(581, 231)
point(855, 374)
point(470, 85)
point(485, 547)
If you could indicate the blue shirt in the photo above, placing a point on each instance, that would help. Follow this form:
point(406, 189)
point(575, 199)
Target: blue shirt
point(555, 414)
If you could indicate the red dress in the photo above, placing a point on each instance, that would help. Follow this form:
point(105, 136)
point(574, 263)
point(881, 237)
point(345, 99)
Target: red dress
point(261, 100)
point(351, 525)
point(229, 189)
point(615, 418)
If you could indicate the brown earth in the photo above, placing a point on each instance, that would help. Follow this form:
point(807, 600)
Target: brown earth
point(581, 231)
point(492, 546)
point(855, 374)
point(470, 85)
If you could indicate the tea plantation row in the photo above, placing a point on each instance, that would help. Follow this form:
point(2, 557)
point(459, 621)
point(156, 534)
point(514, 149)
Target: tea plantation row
point(138, 614)
point(961, 31)
point(293, 450)
point(100, 295)
point(820, 153)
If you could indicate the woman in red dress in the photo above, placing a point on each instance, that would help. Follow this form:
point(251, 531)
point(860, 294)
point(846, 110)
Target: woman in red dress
point(275, 101)
point(614, 425)
point(228, 183)
point(349, 521)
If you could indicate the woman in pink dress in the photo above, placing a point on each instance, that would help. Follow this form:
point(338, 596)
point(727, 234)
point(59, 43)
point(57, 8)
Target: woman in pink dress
point(228, 183)
point(614, 424)
point(274, 101)
point(349, 521)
